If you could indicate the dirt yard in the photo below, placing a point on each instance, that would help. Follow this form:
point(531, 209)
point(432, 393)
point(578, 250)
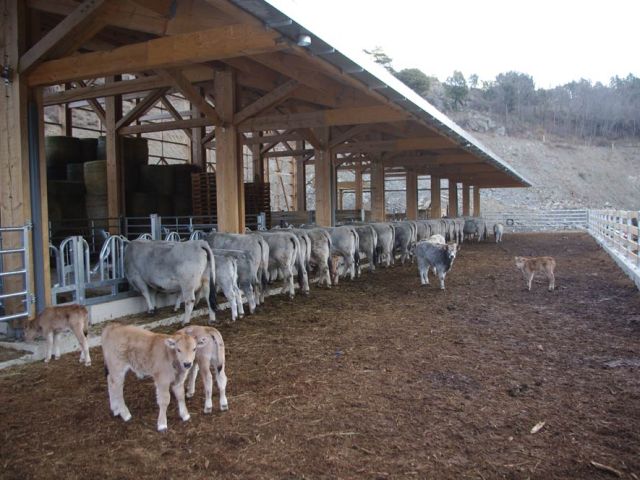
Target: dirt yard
point(376, 378)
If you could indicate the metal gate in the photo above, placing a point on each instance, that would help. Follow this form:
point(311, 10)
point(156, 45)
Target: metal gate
point(16, 298)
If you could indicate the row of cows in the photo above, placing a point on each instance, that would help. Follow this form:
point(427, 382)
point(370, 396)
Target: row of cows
point(237, 264)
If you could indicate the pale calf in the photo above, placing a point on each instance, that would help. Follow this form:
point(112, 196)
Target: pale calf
point(530, 265)
point(53, 321)
point(498, 231)
point(166, 358)
point(210, 355)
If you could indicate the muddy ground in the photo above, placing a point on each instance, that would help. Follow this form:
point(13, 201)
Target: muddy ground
point(376, 378)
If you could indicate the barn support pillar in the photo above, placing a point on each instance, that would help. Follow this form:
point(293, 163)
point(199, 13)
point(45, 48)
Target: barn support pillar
point(115, 193)
point(358, 186)
point(436, 202)
point(453, 198)
point(412, 195)
point(324, 178)
point(15, 201)
point(258, 160)
point(229, 160)
point(476, 201)
point(466, 200)
point(378, 213)
point(300, 180)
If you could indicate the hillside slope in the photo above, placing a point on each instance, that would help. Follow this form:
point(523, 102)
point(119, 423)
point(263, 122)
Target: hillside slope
point(565, 174)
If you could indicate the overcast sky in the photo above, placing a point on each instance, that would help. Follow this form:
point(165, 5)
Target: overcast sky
point(555, 41)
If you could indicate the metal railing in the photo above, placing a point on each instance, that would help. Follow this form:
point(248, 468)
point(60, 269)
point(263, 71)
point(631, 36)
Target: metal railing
point(617, 232)
point(539, 220)
point(16, 298)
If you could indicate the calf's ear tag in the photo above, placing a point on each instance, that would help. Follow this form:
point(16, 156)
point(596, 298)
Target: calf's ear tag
point(170, 342)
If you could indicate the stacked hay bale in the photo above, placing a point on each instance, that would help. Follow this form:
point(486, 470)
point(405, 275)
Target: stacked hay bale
point(65, 192)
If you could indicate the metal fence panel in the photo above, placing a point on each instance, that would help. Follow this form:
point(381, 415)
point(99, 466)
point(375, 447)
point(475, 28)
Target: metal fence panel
point(16, 298)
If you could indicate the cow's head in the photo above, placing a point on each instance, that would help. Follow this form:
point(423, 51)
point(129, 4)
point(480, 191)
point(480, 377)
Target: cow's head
point(32, 329)
point(452, 250)
point(336, 263)
point(520, 261)
point(184, 347)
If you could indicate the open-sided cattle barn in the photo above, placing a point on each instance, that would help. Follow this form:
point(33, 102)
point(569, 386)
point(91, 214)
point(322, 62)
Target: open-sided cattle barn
point(255, 77)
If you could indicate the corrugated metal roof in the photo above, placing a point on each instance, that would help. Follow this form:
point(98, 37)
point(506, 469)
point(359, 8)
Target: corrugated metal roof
point(290, 21)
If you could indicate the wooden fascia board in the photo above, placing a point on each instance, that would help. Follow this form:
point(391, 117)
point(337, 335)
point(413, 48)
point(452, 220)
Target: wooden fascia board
point(401, 144)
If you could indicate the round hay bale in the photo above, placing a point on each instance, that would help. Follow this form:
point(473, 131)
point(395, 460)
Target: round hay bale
point(165, 205)
point(60, 150)
point(75, 172)
point(88, 149)
point(182, 205)
point(101, 148)
point(97, 209)
point(140, 204)
point(58, 173)
point(95, 177)
point(156, 179)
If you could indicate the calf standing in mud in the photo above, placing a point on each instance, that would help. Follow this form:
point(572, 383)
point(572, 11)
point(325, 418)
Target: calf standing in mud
point(435, 255)
point(530, 265)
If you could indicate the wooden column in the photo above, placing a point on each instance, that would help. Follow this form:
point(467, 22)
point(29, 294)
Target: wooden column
point(300, 180)
point(476, 201)
point(15, 202)
point(453, 198)
point(466, 200)
point(258, 161)
point(229, 161)
point(115, 191)
point(358, 186)
point(324, 178)
point(436, 201)
point(378, 212)
point(412, 195)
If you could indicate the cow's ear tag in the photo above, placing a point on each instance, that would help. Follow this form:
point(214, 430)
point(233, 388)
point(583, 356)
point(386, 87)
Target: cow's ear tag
point(171, 343)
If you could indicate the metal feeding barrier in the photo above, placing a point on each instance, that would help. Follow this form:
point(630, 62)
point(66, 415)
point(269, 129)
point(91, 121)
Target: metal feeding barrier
point(16, 297)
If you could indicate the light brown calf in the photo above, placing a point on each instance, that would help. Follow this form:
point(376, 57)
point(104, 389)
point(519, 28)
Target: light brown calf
point(53, 321)
point(166, 358)
point(530, 265)
point(210, 355)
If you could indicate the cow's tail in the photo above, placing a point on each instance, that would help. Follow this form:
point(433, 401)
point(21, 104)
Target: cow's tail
point(216, 337)
point(375, 254)
point(264, 262)
point(356, 254)
point(392, 253)
point(329, 262)
point(299, 259)
point(212, 275)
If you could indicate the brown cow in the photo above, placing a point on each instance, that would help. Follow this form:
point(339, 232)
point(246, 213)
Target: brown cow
point(530, 265)
point(53, 321)
point(166, 358)
point(211, 355)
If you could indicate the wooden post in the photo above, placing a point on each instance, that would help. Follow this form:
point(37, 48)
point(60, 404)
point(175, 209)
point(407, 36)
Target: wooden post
point(436, 201)
point(476, 201)
point(198, 150)
point(466, 200)
point(358, 186)
point(324, 179)
point(258, 161)
point(115, 194)
point(229, 160)
point(378, 212)
point(300, 179)
point(453, 198)
point(412, 195)
point(15, 202)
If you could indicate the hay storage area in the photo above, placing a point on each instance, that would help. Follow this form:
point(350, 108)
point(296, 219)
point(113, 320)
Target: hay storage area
point(376, 378)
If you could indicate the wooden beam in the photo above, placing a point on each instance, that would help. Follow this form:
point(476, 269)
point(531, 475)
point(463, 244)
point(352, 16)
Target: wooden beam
point(66, 37)
point(141, 108)
point(453, 198)
point(323, 182)
point(348, 135)
point(412, 195)
point(229, 158)
point(115, 196)
point(288, 153)
point(192, 94)
point(280, 137)
point(358, 186)
point(324, 118)
point(300, 180)
point(466, 200)
point(401, 144)
point(269, 100)
point(418, 161)
point(94, 104)
point(160, 53)
point(143, 83)
point(436, 198)
point(378, 209)
point(165, 126)
point(476, 201)
point(175, 114)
